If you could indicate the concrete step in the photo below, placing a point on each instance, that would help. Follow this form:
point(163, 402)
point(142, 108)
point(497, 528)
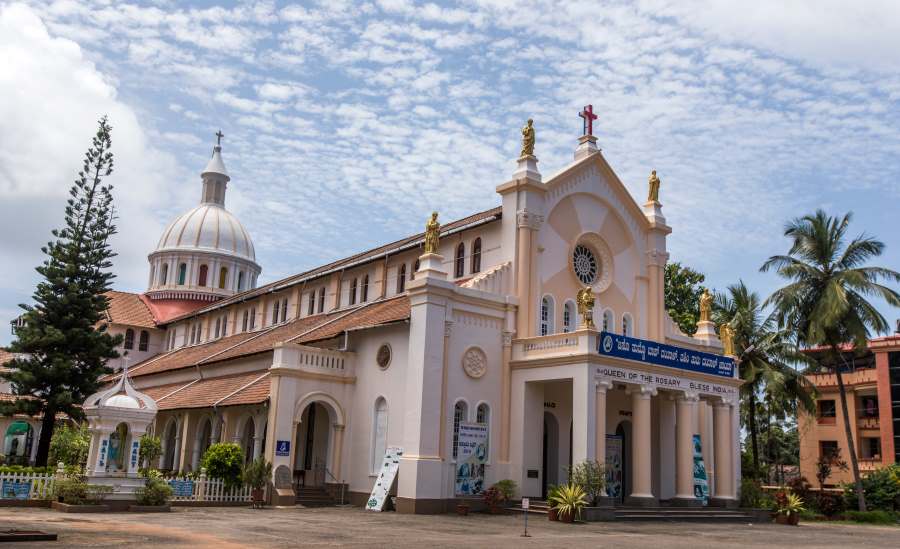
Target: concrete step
point(314, 497)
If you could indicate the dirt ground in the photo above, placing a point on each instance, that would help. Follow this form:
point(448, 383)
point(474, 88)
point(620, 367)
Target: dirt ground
point(226, 528)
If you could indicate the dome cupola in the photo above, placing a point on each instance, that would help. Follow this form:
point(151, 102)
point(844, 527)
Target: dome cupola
point(205, 253)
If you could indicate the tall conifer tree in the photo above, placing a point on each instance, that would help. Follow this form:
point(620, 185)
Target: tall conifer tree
point(64, 337)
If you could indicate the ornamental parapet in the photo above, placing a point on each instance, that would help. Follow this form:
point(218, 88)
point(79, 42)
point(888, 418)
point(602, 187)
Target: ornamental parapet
point(295, 359)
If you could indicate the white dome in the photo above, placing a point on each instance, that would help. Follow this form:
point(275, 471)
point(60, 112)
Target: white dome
point(122, 401)
point(208, 228)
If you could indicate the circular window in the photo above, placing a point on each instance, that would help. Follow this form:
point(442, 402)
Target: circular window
point(585, 264)
point(383, 358)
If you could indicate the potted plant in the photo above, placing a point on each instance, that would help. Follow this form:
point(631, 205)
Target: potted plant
point(499, 494)
point(788, 508)
point(462, 509)
point(256, 475)
point(552, 513)
point(569, 500)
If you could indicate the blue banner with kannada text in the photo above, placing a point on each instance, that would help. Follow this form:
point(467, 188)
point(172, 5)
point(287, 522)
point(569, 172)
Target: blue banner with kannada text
point(660, 354)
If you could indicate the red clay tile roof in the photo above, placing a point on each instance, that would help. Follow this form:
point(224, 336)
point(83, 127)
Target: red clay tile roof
point(130, 309)
point(5, 356)
point(302, 330)
point(407, 243)
point(245, 388)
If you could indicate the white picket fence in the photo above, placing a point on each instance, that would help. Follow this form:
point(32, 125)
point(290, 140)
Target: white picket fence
point(206, 489)
point(13, 485)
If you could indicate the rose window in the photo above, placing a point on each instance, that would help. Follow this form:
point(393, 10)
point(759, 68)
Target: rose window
point(585, 264)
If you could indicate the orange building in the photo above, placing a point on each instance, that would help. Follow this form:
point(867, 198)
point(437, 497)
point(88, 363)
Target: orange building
point(873, 404)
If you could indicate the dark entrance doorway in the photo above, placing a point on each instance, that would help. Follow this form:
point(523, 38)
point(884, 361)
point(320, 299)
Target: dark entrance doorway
point(550, 457)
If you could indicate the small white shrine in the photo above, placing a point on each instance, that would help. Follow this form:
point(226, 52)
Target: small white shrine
point(117, 418)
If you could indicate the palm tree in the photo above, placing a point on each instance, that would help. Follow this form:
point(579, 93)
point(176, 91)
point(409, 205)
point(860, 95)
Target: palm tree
point(764, 356)
point(825, 301)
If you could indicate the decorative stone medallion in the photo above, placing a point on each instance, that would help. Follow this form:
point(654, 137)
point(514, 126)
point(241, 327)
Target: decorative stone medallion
point(474, 362)
point(383, 357)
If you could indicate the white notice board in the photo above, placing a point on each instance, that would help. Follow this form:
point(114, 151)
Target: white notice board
point(385, 480)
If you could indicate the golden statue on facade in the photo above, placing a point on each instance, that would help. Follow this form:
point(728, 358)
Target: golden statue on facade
point(432, 234)
point(585, 301)
point(528, 139)
point(654, 188)
point(726, 336)
point(705, 305)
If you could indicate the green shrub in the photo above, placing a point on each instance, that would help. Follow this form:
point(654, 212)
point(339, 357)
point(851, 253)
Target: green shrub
point(829, 504)
point(224, 460)
point(507, 488)
point(871, 517)
point(753, 496)
point(76, 491)
point(881, 487)
point(155, 492)
point(70, 445)
point(150, 449)
point(257, 473)
point(18, 469)
point(590, 476)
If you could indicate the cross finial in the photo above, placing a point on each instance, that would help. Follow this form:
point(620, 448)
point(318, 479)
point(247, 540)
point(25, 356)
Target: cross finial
point(219, 136)
point(588, 115)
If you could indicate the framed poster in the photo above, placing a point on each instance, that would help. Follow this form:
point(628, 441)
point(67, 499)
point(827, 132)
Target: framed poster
point(471, 456)
point(614, 467)
point(701, 485)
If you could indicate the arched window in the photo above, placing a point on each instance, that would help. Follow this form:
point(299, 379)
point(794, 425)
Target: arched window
point(223, 276)
point(379, 433)
point(415, 269)
point(401, 279)
point(568, 317)
point(224, 325)
point(144, 342)
point(275, 312)
point(129, 339)
point(460, 269)
point(322, 300)
point(627, 328)
point(201, 280)
point(218, 327)
point(546, 315)
point(483, 416)
point(164, 277)
point(253, 318)
point(608, 325)
point(182, 273)
point(352, 298)
point(245, 321)
point(364, 291)
point(284, 309)
point(311, 308)
point(460, 415)
point(240, 281)
point(476, 256)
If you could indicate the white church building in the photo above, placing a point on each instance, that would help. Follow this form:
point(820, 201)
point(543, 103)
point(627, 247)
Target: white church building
point(322, 371)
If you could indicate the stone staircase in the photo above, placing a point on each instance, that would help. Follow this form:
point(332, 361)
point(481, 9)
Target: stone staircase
point(314, 496)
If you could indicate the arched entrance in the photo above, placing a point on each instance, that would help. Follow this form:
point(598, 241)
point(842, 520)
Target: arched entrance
point(313, 441)
point(202, 442)
point(550, 460)
point(248, 438)
point(18, 442)
point(171, 441)
point(618, 462)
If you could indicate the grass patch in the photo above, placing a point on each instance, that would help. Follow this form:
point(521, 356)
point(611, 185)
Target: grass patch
point(871, 517)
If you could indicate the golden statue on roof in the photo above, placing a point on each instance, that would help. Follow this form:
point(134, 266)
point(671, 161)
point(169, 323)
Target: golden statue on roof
point(528, 139)
point(585, 301)
point(726, 336)
point(705, 305)
point(432, 234)
point(654, 187)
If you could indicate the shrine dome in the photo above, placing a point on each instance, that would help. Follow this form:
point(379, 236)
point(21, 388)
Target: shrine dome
point(206, 253)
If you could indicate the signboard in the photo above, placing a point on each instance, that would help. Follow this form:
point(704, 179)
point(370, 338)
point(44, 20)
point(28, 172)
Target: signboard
point(135, 451)
point(15, 489)
point(182, 488)
point(471, 455)
point(701, 485)
point(660, 354)
point(282, 447)
point(104, 444)
point(526, 503)
point(385, 480)
point(661, 381)
point(614, 466)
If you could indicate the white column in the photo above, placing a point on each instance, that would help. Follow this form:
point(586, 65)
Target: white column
point(686, 407)
point(641, 470)
point(724, 444)
point(600, 423)
point(584, 416)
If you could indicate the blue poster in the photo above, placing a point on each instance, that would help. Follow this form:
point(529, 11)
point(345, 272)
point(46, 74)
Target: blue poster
point(660, 354)
point(15, 489)
point(614, 455)
point(182, 488)
point(282, 447)
point(701, 483)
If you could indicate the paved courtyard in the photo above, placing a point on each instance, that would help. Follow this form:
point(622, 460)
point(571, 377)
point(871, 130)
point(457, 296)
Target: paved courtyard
point(293, 527)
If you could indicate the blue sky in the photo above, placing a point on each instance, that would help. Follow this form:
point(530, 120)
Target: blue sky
point(346, 122)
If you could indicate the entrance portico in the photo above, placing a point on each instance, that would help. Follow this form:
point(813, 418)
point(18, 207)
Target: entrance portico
point(645, 421)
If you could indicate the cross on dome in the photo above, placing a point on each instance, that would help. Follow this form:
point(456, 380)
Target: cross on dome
point(219, 135)
point(588, 115)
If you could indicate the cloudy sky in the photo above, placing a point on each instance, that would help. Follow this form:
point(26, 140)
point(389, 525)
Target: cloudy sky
point(346, 122)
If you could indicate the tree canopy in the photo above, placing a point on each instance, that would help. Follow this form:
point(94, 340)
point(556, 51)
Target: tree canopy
point(682, 295)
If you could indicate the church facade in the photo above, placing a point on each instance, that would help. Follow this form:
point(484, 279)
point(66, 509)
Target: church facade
point(479, 321)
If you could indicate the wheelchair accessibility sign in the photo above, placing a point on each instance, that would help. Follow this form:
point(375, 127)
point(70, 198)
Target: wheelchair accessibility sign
point(282, 447)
